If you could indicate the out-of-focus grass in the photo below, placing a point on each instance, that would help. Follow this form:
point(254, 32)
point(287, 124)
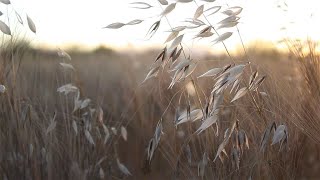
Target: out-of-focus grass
point(112, 80)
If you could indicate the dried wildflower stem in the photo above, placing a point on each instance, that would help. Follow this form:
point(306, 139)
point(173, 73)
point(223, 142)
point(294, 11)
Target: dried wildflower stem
point(225, 47)
point(258, 108)
point(244, 49)
point(184, 54)
point(198, 96)
point(132, 117)
point(185, 143)
point(164, 112)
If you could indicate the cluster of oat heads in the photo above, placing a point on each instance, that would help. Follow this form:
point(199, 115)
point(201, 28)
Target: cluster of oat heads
point(79, 104)
point(280, 135)
point(229, 84)
point(6, 29)
point(154, 142)
point(91, 120)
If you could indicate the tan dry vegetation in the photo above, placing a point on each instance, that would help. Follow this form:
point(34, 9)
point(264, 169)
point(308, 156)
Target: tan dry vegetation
point(112, 81)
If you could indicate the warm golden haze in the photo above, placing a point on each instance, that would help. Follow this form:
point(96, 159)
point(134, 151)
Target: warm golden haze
point(66, 23)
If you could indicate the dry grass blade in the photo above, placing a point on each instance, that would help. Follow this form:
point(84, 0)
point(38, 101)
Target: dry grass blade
point(176, 41)
point(124, 133)
point(177, 55)
point(172, 35)
point(151, 149)
point(183, 70)
point(75, 127)
point(141, 5)
point(100, 116)
point(6, 2)
point(107, 134)
point(152, 73)
point(202, 165)
point(67, 88)
point(162, 55)
point(198, 12)
point(173, 53)
point(228, 134)
point(263, 93)
point(222, 37)
point(243, 140)
point(67, 66)
point(243, 91)
point(5, 28)
point(154, 142)
point(211, 72)
point(236, 10)
point(204, 35)
point(153, 29)
point(123, 168)
point(259, 82)
point(100, 161)
point(228, 25)
point(221, 83)
point(116, 25)
point(218, 100)
point(214, 10)
point(279, 134)
point(184, 1)
point(134, 22)
point(235, 71)
point(163, 2)
point(189, 70)
point(235, 86)
point(168, 9)
point(235, 157)
point(178, 28)
point(89, 137)
point(229, 19)
point(158, 132)
point(101, 173)
point(106, 138)
point(31, 25)
point(63, 54)
point(189, 154)
point(195, 114)
point(208, 122)
point(233, 11)
point(31, 148)
point(19, 17)
point(77, 102)
point(85, 103)
point(266, 135)
point(253, 77)
point(195, 22)
point(52, 125)
point(206, 32)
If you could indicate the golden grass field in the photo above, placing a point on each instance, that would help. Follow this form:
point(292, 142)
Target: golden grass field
point(112, 80)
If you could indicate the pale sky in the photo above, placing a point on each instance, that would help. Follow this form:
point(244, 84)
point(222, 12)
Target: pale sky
point(64, 22)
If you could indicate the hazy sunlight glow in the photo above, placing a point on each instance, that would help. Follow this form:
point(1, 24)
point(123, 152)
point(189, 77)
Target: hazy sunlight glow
point(66, 22)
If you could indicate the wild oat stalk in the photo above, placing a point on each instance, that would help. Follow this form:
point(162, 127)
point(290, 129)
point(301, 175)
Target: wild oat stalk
point(228, 81)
